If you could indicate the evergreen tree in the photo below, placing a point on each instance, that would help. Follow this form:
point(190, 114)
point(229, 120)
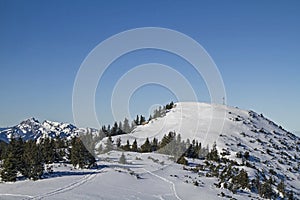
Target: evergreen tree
point(180, 147)
point(142, 120)
point(266, 190)
point(281, 187)
point(154, 145)
point(156, 114)
point(33, 165)
point(165, 141)
point(172, 104)
point(89, 141)
point(169, 106)
point(48, 150)
point(126, 127)
point(146, 147)
point(242, 179)
point(115, 129)
point(60, 146)
point(108, 131)
point(182, 161)
point(134, 147)
point(16, 147)
point(137, 121)
point(122, 159)
point(9, 169)
point(120, 128)
point(118, 142)
point(213, 154)
point(256, 184)
point(290, 195)
point(160, 111)
point(127, 146)
point(109, 144)
point(3, 150)
point(80, 156)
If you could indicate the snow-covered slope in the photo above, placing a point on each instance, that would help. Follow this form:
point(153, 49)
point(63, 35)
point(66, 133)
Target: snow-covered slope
point(146, 176)
point(209, 123)
point(271, 148)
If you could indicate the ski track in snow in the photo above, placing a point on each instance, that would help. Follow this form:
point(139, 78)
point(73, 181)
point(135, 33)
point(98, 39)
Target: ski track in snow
point(166, 180)
point(69, 187)
point(16, 195)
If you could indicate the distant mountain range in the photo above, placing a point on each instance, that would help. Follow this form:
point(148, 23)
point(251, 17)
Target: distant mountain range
point(32, 129)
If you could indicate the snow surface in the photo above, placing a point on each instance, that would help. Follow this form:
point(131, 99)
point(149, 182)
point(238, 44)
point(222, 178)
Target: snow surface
point(155, 176)
point(139, 179)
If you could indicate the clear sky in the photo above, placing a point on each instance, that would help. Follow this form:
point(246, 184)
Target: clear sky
point(255, 45)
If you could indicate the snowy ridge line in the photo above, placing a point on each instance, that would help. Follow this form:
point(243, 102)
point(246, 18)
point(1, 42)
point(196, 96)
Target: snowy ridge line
point(166, 180)
point(69, 187)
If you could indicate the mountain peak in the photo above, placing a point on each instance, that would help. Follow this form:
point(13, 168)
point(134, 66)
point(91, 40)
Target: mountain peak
point(30, 121)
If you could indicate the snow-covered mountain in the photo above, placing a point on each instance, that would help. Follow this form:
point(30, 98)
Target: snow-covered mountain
point(32, 129)
point(270, 148)
point(210, 123)
point(254, 142)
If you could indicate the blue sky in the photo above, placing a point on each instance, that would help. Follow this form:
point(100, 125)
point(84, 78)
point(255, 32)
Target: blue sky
point(255, 45)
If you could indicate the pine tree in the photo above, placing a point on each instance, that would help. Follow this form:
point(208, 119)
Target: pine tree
point(33, 165)
point(266, 190)
point(108, 131)
point(80, 156)
point(182, 161)
point(3, 150)
point(127, 146)
point(154, 145)
point(9, 169)
point(256, 184)
point(213, 154)
point(59, 151)
point(155, 114)
point(126, 127)
point(109, 144)
point(134, 147)
point(281, 187)
point(146, 147)
point(120, 128)
point(122, 159)
point(137, 121)
point(88, 140)
point(165, 141)
point(118, 142)
point(172, 104)
point(290, 195)
point(16, 146)
point(48, 150)
point(114, 130)
point(142, 120)
point(242, 179)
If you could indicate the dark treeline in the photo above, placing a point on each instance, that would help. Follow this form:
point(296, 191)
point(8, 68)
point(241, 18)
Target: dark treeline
point(124, 127)
point(171, 144)
point(31, 159)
